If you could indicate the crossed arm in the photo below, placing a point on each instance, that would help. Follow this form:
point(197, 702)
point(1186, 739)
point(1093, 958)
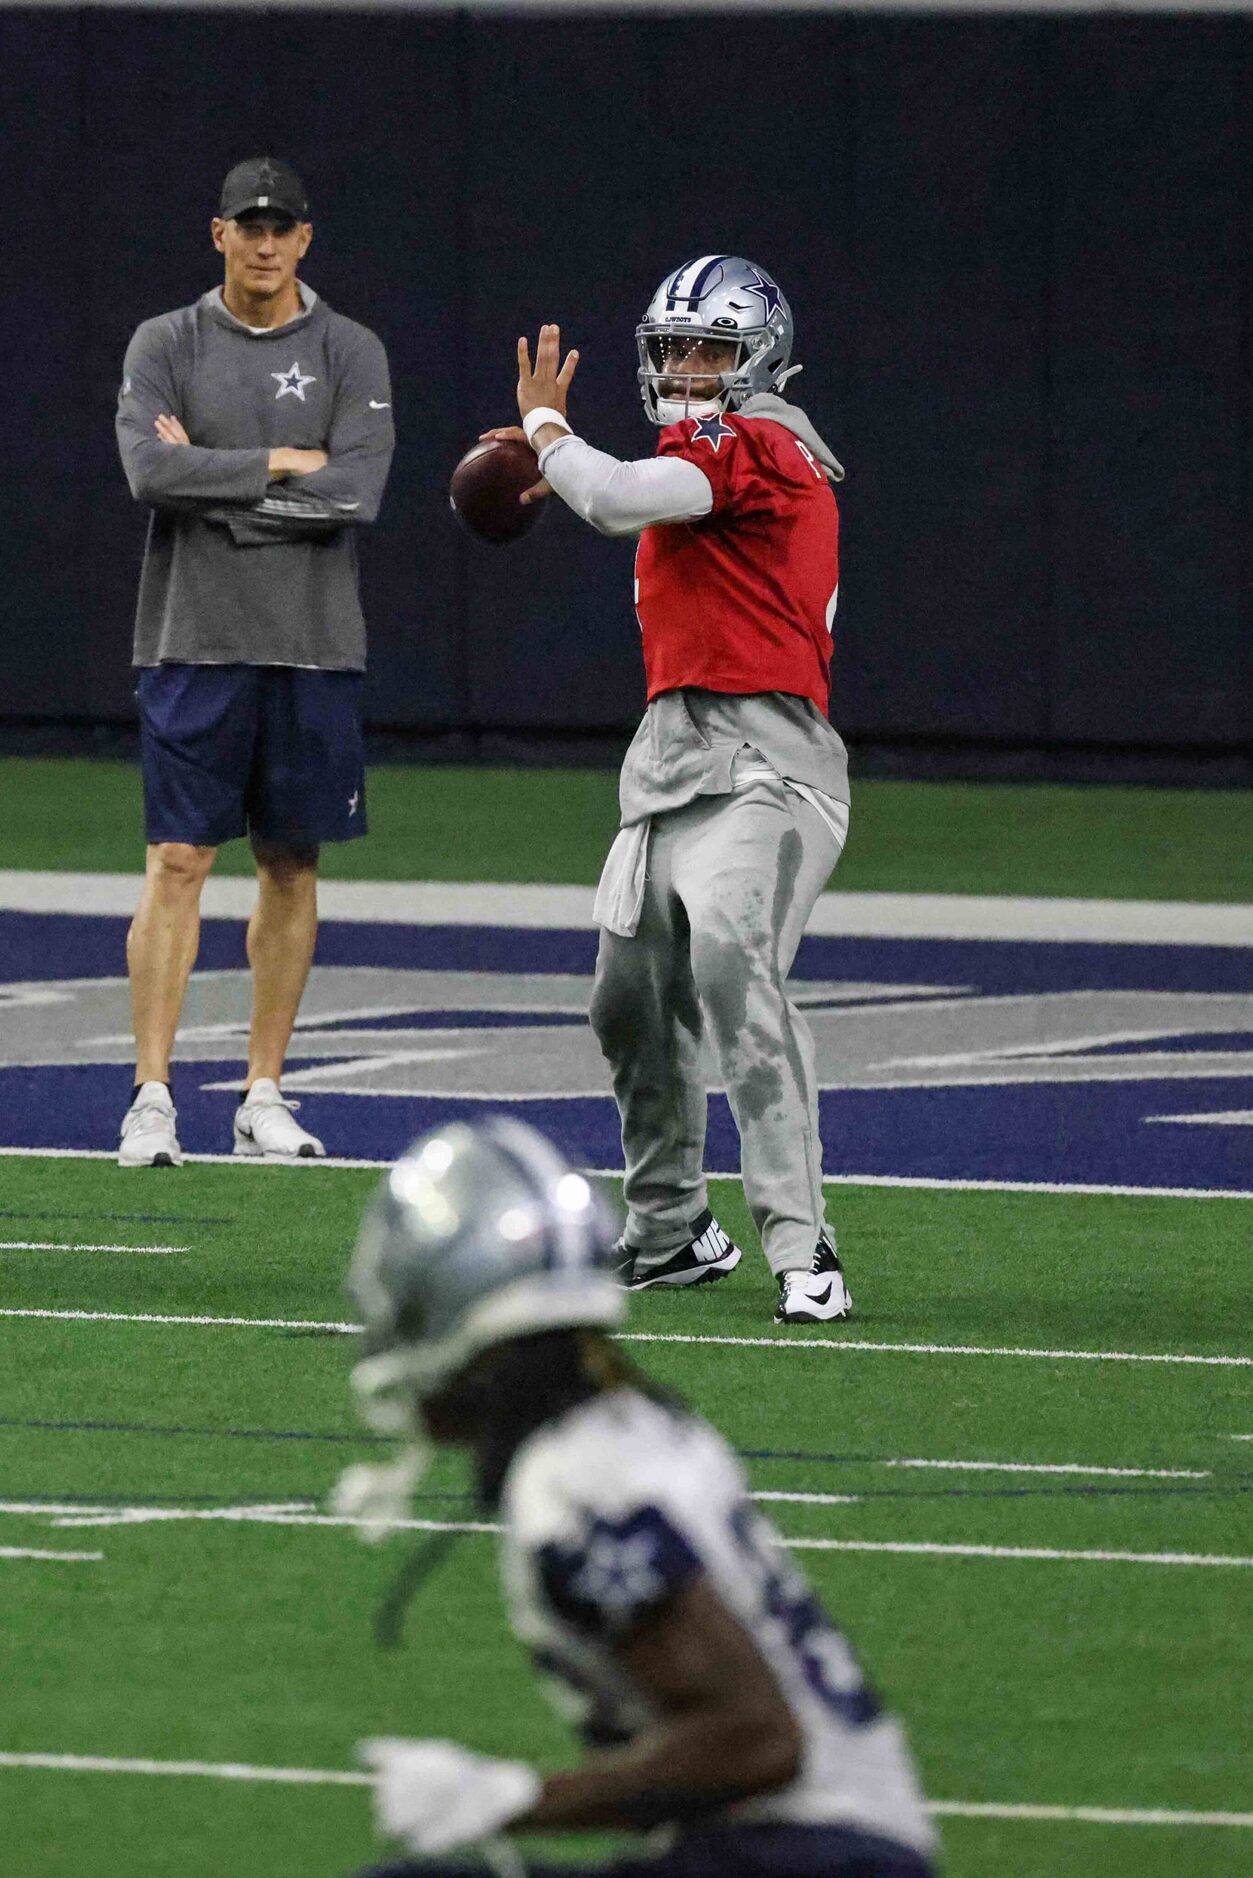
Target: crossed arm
point(261, 495)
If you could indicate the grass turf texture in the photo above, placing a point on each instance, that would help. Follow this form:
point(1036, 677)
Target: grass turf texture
point(1069, 1683)
point(556, 825)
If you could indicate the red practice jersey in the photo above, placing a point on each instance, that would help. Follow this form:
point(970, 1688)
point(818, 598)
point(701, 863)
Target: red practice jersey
point(742, 600)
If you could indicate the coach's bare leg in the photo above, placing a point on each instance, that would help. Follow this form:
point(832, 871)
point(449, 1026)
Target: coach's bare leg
point(161, 949)
point(281, 935)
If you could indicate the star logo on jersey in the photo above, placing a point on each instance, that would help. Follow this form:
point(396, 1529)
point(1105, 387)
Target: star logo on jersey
point(766, 292)
point(293, 380)
point(618, 1573)
point(712, 430)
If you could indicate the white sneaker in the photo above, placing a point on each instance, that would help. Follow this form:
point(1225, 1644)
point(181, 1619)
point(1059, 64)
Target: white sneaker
point(148, 1137)
point(264, 1125)
point(817, 1296)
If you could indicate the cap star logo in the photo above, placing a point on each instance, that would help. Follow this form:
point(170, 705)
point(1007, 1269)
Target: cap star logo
point(766, 292)
point(712, 430)
point(293, 380)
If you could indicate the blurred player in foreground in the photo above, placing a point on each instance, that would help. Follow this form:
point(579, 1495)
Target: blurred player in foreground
point(256, 424)
point(716, 1698)
point(734, 793)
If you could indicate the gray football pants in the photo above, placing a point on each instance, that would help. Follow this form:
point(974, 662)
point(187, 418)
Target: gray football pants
point(732, 880)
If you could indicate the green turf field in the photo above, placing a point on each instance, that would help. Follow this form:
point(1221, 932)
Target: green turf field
point(1074, 1682)
point(1067, 1682)
point(555, 826)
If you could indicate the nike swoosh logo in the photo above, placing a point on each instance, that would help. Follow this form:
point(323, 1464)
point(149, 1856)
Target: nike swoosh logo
point(376, 406)
point(826, 1296)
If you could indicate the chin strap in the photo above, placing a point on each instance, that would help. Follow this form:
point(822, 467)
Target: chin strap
point(378, 1498)
point(389, 1618)
point(675, 410)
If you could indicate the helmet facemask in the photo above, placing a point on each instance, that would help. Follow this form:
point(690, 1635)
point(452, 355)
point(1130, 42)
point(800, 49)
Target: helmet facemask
point(661, 352)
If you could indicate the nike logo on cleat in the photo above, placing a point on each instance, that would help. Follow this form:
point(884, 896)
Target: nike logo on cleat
point(712, 1243)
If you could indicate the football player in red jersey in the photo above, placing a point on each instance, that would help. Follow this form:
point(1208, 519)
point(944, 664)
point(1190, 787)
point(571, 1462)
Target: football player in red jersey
point(734, 793)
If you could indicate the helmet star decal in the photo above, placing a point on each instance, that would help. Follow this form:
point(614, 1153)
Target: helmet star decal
point(712, 430)
point(765, 290)
point(293, 380)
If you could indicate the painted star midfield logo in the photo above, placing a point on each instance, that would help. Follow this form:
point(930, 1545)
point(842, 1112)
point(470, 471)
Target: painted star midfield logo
point(712, 430)
point(293, 380)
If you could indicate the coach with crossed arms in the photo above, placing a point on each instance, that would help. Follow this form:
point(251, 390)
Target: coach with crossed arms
point(257, 426)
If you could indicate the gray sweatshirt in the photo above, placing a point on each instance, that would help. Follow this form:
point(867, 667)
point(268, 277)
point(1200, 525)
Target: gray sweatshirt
point(239, 569)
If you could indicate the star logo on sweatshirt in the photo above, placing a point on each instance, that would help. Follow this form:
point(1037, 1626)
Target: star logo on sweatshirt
point(293, 380)
point(712, 430)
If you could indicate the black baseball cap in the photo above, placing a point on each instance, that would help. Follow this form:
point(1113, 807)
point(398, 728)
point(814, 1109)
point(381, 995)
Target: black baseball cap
point(264, 183)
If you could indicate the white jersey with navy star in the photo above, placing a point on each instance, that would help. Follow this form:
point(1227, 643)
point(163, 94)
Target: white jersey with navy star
point(608, 1512)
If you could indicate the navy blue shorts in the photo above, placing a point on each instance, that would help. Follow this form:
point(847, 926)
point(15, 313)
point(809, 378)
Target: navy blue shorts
point(272, 751)
point(746, 1852)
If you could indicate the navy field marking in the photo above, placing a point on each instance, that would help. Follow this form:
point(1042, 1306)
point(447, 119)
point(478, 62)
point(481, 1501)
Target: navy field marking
point(1064, 1061)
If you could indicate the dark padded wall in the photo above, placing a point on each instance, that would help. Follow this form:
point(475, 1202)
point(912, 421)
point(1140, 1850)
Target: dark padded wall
point(1018, 250)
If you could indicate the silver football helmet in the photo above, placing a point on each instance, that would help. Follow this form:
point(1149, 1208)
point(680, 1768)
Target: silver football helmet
point(719, 296)
point(481, 1232)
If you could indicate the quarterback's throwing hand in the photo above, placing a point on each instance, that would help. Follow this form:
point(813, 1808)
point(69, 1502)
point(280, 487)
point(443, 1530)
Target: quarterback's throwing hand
point(546, 385)
point(434, 1795)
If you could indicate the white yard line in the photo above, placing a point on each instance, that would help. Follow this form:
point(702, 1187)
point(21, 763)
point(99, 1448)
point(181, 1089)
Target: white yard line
point(809, 1499)
point(153, 1317)
point(209, 1160)
point(1084, 1815)
point(1090, 1188)
point(57, 1558)
point(561, 908)
point(1045, 1552)
point(340, 1777)
point(79, 1510)
point(921, 1181)
point(262, 1516)
point(837, 1345)
point(1221, 1118)
point(45, 1245)
point(212, 1770)
point(1060, 1467)
point(252, 1516)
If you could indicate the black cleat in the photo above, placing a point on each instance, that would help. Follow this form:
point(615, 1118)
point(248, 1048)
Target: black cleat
point(708, 1255)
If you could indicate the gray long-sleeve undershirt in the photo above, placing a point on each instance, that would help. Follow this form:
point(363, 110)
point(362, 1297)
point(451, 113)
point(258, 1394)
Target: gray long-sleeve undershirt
point(624, 498)
point(237, 568)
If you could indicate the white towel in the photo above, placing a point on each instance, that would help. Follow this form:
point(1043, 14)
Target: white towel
point(620, 895)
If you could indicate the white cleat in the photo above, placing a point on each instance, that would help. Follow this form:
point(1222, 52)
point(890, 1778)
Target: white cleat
point(265, 1125)
point(148, 1137)
point(817, 1296)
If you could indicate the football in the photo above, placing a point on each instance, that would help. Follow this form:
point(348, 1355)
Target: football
point(485, 488)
